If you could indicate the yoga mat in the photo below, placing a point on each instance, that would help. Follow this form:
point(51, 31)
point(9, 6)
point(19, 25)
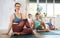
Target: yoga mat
point(54, 32)
point(23, 36)
point(33, 36)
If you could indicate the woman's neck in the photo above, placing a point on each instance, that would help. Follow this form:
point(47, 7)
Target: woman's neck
point(36, 19)
point(17, 12)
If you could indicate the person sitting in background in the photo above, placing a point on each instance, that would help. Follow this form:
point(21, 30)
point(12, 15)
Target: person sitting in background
point(48, 24)
point(30, 19)
point(39, 25)
point(51, 27)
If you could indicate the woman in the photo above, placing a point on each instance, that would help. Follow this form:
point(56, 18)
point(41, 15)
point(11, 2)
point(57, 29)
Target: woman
point(39, 24)
point(30, 19)
point(51, 27)
point(17, 22)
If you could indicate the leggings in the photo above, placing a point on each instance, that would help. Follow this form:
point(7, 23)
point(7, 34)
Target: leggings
point(20, 27)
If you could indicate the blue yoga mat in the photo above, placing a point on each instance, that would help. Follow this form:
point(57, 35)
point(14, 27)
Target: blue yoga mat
point(24, 36)
point(48, 33)
point(53, 32)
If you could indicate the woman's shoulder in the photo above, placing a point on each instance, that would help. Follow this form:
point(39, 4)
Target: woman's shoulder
point(12, 15)
point(23, 16)
point(22, 13)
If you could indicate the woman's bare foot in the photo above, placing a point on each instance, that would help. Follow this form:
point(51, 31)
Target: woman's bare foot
point(34, 32)
point(16, 33)
point(45, 30)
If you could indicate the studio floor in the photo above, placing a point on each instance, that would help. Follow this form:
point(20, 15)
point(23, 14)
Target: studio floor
point(51, 34)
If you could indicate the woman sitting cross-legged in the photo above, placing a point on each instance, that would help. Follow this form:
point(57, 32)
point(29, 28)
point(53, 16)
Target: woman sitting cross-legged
point(39, 24)
point(18, 21)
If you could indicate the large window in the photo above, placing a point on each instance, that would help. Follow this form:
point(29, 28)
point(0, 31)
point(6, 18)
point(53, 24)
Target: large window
point(42, 1)
point(32, 9)
point(57, 1)
point(57, 9)
point(49, 1)
point(51, 7)
point(32, 1)
point(42, 7)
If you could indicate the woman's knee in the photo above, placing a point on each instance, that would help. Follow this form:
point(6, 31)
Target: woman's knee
point(29, 30)
point(21, 24)
point(42, 23)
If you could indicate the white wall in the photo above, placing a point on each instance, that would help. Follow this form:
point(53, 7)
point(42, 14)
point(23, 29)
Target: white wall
point(0, 12)
point(6, 9)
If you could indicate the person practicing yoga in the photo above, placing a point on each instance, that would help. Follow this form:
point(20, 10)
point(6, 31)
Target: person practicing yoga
point(30, 20)
point(18, 21)
point(39, 24)
point(51, 27)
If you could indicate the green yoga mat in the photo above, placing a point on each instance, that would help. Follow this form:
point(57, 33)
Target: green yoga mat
point(33, 36)
point(52, 32)
point(24, 36)
point(48, 33)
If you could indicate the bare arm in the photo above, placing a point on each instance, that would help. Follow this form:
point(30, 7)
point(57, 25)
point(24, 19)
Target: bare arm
point(24, 16)
point(33, 25)
point(10, 25)
point(11, 21)
point(43, 24)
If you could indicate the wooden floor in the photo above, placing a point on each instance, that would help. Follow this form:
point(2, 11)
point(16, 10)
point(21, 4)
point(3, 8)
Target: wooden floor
point(35, 36)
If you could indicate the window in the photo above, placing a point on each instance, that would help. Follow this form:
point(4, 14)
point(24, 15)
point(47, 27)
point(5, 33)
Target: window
point(42, 1)
point(32, 8)
point(57, 9)
point(42, 7)
point(50, 9)
point(57, 1)
point(32, 1)
point(49, 1)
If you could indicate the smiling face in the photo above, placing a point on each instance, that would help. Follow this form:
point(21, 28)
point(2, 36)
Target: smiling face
point(17, 6)
point(37, 16)
point(29, 15)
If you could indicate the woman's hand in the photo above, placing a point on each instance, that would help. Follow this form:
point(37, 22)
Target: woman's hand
point(16, 33)
point(5, 33)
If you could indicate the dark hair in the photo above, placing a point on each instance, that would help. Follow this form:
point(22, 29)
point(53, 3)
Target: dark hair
point(37, 14)
point(15, 5)
point(29, 14)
